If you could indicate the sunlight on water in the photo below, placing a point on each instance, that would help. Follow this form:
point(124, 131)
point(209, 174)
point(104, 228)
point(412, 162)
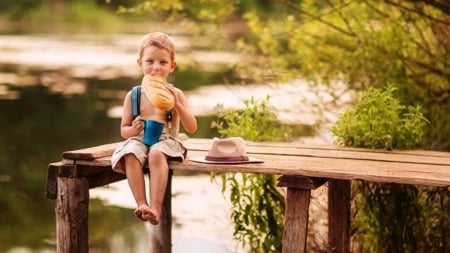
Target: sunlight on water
point(200, 213)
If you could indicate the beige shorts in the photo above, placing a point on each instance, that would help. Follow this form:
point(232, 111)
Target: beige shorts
point(167, 144)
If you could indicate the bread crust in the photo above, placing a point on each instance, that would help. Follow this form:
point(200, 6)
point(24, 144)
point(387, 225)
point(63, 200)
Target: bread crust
point(155, 89)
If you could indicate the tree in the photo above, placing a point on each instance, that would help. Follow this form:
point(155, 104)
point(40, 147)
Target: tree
point(364, 43)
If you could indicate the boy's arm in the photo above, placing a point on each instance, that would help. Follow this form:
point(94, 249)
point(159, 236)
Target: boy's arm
point(186, 116)
point(128, 126)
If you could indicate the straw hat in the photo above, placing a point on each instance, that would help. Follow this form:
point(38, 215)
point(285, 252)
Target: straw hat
point(227, 151)
point(156, 91)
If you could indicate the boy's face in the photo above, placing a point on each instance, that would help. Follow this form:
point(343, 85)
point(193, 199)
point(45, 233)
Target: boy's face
point(156, 61)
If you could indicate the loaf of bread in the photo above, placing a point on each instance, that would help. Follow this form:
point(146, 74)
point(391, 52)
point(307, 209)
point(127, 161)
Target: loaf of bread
point(155, 90)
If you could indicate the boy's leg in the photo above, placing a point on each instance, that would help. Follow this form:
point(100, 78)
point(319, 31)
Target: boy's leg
point(159, 173)
point(135, 177)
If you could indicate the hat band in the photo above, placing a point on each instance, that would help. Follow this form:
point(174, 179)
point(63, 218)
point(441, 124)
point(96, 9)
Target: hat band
point(226, 158)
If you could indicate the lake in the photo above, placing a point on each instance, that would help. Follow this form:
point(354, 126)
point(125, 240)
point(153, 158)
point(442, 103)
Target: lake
point(64, 92)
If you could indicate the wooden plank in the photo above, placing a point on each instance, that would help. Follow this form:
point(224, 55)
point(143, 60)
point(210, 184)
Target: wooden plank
point(288, 154)
point(205, 144)
point(290, 149)
point(425, 157)
point(424, 174)
point(309, 183)
point(51, 189)
point(338, 164)
point(104, 178)
point(347, 169)
point(91, 152)
point(92, 166)
point(68, 170)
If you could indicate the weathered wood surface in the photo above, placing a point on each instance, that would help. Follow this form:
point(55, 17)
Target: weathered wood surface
point(339, 215)
point(406, 167)
point(71, 212)
point(303, 167)
point(296, 216)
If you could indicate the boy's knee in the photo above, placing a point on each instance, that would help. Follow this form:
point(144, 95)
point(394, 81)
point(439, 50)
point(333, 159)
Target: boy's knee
point(156, 157)
point(156, 154)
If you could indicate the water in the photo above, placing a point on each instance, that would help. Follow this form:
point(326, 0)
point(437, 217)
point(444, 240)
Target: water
point(200, 212)
point(59, 94)
point(62, 93)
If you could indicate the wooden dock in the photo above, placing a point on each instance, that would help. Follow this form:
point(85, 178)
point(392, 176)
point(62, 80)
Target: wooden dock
point(301, 168)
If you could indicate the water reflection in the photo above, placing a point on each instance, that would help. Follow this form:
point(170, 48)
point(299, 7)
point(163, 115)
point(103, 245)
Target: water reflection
point(48, 106)
point(40, 118)
point(35, 128)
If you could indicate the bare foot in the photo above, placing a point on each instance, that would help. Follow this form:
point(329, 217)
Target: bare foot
point(153, 215)
point(141, 212)
point(146, 213)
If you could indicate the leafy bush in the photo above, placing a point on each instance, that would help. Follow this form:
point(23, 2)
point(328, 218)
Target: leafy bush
point(258, 205)
point(256, 122)
point(379, 120)
point(391, 217)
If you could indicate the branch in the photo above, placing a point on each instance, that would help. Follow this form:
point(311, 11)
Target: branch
point(337, 10)
point(316, 17)
point(424, 47)
point(421, 13)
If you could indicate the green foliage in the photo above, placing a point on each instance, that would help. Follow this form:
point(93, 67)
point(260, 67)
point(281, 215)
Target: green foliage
point(400, 218)
point(199, 10)
point(258, 210)
point(257, 122)
point(363, 44)
point(15, 9)
point(62, 16)
point(391, 217)
point(258, 206)
point(379, 120)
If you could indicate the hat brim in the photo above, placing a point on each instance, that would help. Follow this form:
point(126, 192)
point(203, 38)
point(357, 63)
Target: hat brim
point(201, 159)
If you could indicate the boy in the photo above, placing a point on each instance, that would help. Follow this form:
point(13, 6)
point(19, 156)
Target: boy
point(156, 57)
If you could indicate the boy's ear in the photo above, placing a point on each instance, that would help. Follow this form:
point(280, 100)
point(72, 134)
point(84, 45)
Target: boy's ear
point(138, 60)
point(174, 64)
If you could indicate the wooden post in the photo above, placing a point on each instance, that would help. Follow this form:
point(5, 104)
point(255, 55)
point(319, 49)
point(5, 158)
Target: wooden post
point(297, 211)
point(161, 239)
point(72, 204)
point(339, 215)
point(296, 220)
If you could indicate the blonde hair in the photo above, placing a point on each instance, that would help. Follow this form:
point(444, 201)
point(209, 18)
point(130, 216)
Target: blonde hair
point(157, 39)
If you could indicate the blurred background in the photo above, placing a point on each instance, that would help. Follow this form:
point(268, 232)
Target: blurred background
point(65, 67)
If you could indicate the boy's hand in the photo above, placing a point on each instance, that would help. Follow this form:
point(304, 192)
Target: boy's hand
point(137, 125)
point(174, 93)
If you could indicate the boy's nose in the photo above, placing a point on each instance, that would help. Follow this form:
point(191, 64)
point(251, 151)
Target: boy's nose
point(156, 67)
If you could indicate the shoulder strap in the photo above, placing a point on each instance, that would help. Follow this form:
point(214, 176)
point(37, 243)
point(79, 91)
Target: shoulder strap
point(135, 100)
point(136, 103)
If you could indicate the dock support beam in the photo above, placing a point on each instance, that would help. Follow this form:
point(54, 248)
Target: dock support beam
point(297, 211)
point(161, 238)
point(72, 206)
point(339, 215)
